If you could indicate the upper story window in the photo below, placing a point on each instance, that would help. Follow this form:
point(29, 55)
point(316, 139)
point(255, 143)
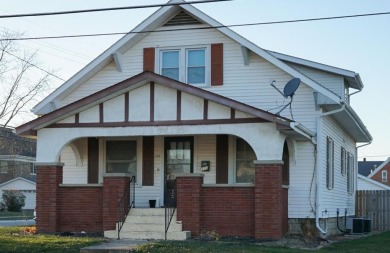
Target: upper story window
point(187, 65)
point(384, 175)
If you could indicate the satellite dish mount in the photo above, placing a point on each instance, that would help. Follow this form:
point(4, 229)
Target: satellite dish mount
point(288, 91)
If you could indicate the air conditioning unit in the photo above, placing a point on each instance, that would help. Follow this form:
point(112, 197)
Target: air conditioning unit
point(358, 225)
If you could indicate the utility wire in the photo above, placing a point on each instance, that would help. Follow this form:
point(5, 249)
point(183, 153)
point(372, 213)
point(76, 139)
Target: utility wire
point(32, 64)
point(106, 9)
point(201, 28)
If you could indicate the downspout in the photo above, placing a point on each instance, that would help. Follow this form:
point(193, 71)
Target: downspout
point(318, 165)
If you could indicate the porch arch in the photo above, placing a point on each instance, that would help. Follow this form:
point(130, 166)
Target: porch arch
point(264, 138)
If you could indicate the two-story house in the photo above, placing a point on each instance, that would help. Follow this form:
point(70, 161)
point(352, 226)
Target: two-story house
point(186, 107)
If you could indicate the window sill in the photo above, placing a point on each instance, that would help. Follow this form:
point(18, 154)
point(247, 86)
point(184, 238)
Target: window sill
point(81, 185)
point(229, 185)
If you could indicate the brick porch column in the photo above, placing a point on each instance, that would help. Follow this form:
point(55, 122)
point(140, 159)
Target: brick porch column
point(115, 185)
point(49, 177)
point(268, 199)
point(189, 189)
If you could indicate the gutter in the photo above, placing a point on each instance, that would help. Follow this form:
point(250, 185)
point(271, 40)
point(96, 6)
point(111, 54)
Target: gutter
point(318, 165)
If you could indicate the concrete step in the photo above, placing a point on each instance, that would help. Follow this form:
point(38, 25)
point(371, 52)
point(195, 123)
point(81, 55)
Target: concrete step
point(149, 223)
point(143, 227)
point(182, 235)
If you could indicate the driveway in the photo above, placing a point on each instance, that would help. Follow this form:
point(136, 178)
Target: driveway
point(13, 223)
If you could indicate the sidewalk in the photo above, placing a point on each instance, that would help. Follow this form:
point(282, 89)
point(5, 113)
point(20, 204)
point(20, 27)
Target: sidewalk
point(117, 246)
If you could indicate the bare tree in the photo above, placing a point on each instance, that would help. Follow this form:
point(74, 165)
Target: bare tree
point(22, 82)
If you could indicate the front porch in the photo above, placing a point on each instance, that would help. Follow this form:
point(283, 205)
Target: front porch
point(258, 210)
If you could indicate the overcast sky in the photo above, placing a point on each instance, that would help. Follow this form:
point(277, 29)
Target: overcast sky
point(357, 44)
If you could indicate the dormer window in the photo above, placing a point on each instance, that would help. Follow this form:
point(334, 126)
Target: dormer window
point(187, 65)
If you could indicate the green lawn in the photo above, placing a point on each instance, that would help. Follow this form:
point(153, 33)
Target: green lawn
point(5, 215)
point(12, 240)
point(378, 243)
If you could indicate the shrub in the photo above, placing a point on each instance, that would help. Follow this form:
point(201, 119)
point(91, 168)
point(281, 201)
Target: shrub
point(13, 200)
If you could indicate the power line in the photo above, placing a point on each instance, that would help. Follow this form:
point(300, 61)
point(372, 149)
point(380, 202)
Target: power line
point(32, 64)
point(106, 9)
point(200, 28)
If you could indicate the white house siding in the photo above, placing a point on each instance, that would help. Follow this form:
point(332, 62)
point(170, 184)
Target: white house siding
point(302, 184)
point(330, 200)
point(205, 148)
point(330, 81)
point(73, 174)
point(248, 84)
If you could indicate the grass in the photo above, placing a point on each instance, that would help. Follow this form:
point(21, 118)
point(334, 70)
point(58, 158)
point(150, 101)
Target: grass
point(374, 243)
point(14, 239)
point(5, 215)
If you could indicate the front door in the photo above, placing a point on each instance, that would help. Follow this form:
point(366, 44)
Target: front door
point(178, 160)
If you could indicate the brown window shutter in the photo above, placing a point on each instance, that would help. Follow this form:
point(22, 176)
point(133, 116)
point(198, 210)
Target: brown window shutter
point(93, 160)
point(222, 161)
point(149, 59)
point(216, 64)
point(148, 161)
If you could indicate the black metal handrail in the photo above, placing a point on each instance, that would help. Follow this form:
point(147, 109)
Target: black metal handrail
point(170, 207)
point(123, 209)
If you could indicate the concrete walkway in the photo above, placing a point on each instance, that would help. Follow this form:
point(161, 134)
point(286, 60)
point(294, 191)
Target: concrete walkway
point(15, 223)
point(115, 246)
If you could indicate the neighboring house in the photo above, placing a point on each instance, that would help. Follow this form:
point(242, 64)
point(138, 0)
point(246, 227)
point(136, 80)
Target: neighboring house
point(25, 186)
point(365, 183)
point(381, 173)
point(17, 171)
point(367, 167)
point(194, 103)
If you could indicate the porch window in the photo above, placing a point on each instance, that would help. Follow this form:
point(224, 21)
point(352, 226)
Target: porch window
point(245, 169)
point(121, 156)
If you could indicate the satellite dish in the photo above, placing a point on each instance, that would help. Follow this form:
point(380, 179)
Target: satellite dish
point(291, 86)
point(288, 91)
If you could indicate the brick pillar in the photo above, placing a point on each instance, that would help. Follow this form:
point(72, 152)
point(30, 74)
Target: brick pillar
point(115, 185)
point(49, 177)
point(268, 199)
point(189, 189)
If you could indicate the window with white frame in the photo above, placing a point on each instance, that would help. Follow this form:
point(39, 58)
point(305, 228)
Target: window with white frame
point(245, 169)
point(121, 156)
point(187, 65)
point(384, 175)
point(32, 169)
point(4, 167)
point(329, 163)
point(350, 174)
point(343, 157)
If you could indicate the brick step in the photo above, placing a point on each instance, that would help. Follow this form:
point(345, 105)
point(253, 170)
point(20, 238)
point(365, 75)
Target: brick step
point(182, 235)
point(155, 227)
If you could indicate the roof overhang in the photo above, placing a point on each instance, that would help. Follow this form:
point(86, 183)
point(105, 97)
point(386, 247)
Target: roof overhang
point(352, 78)
point(379, 168)
point(136, 82)
point(350, 121)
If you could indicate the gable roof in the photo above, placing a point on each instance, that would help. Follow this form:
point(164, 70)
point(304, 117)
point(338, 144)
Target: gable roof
point(16, 179)
point(352, 78)
point(157, 19)
point(134, 82)
point(366, 167)
point(373, 182)
point(379, 168)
